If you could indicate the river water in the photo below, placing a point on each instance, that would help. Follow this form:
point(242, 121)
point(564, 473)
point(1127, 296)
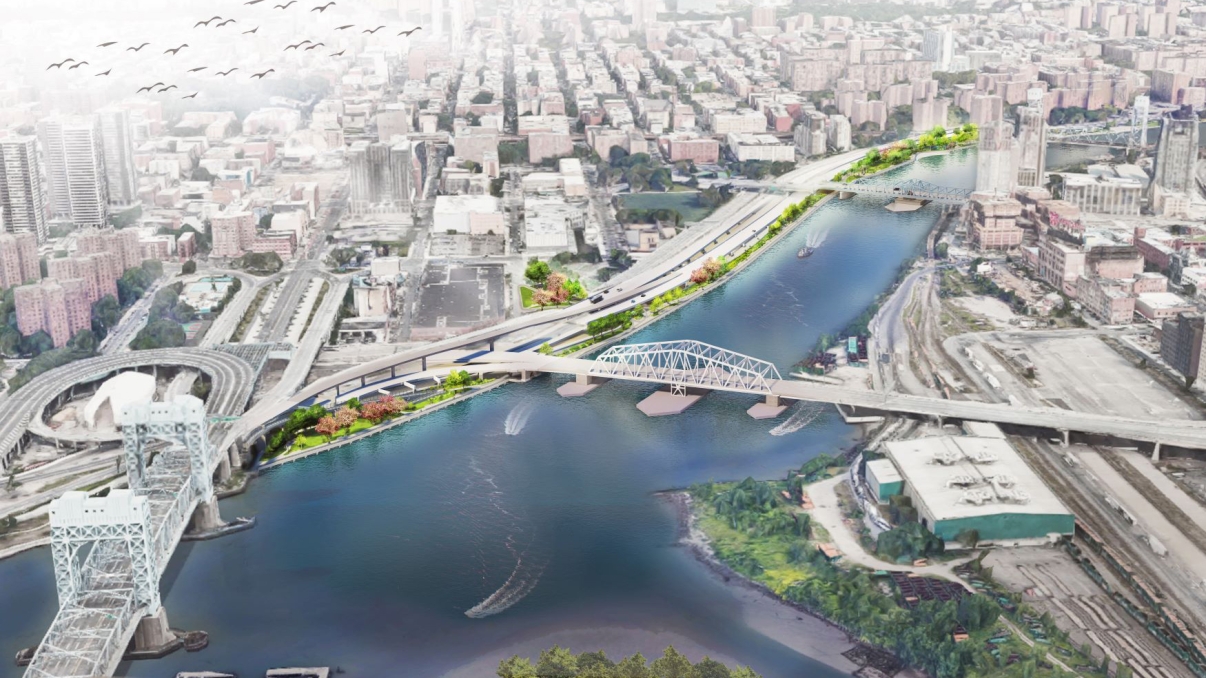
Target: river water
point(534, 510)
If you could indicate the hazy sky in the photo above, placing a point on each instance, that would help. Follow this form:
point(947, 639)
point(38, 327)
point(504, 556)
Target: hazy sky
point(36, 33)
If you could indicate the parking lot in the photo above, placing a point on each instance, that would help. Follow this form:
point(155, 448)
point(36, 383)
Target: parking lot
point(454, 298)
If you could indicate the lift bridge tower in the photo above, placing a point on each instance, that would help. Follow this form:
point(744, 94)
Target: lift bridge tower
point(110, 552)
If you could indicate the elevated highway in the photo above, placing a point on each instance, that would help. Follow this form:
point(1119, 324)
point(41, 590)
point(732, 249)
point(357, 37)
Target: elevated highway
point(232, 381)
point(913, 189)
point(693, 364)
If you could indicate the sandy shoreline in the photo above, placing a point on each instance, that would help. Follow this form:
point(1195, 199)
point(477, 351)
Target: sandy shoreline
point(762, 610)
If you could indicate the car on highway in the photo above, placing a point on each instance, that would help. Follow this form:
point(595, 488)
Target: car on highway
point(596, 299)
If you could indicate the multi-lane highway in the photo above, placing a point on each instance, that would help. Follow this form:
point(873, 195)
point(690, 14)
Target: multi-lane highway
point(232, 379)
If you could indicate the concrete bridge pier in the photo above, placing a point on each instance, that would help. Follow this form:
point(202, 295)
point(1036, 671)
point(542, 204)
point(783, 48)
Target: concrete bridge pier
point(1066, 434)
point(152, 636)
point(768, 409)
point(846, 195)
point(580, 386)
point(1156, 451)
point(206, 518)
point(223, 472)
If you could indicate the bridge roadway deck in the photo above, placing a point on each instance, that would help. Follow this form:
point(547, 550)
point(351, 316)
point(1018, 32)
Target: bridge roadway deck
point(1191, 434)
point(232, 378)
point(909, 189)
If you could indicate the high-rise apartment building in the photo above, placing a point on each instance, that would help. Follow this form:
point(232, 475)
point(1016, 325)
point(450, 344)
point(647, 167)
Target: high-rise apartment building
point(938, 45)
point(93, 270)
point(996, 160)
point(437, 19)
point(118, 148)
point(232, 233)
point(644, 12)
point(44, 307)
point(381, 176)
point(1181, 344)
point(122, 243)
point(75, 166)
point(1177, 152)
point(22, 201)
point(763, 16)
point(18, 259)
point(1032, 141)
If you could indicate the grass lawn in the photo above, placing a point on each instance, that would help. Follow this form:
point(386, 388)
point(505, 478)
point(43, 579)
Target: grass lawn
point(525, 297)
point(305, 441)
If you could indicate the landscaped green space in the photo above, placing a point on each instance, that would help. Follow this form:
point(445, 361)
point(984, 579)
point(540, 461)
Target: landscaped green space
point(305, 441)
point(686, 203)
point(313, 426)
point(766, 536)
point(934, 140)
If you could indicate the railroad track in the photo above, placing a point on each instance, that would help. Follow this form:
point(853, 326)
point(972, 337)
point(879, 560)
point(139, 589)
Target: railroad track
point(1089, 514)
point(1150, 492)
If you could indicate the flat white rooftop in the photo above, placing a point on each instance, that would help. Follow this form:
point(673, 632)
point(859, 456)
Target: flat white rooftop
point(970, 476)
point(884, 471)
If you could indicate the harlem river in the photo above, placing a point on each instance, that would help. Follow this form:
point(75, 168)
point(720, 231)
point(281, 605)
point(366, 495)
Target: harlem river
point(537, 513)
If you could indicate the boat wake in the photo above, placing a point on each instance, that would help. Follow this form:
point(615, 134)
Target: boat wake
point(804, 414)
point(817, 237)
point(518, 418)
point(498, 518)
point(523, 579)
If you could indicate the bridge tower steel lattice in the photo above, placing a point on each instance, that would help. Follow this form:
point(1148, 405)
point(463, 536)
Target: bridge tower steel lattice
point(181, 422)
point(77, 520)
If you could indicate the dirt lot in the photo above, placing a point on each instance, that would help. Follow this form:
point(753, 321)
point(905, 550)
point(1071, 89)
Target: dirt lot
point(996, 311)
point(1052, 582)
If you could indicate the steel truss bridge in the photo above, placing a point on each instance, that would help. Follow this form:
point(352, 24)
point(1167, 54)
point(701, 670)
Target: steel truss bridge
point(106, 590)
point(912, 188)
point(686, 363)
point(1125, 136)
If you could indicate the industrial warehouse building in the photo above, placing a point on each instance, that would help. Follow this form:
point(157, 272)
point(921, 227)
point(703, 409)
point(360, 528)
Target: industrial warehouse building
point(973, 482)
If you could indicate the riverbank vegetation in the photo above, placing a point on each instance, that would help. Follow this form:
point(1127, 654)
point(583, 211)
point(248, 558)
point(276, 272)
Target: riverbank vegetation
point(711, 270)
point(312, 426)
point(937, 139)
point(560, 662)
point(759, 530)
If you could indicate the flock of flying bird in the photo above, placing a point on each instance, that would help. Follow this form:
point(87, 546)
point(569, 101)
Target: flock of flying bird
point(304, 45)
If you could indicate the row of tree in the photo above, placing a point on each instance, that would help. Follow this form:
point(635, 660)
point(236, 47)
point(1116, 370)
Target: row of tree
point(613, 322)
point(560, 662)
point(877, 160)
point(374, 412)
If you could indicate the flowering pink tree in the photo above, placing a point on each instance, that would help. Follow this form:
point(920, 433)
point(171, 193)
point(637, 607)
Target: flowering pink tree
point(326, 427)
